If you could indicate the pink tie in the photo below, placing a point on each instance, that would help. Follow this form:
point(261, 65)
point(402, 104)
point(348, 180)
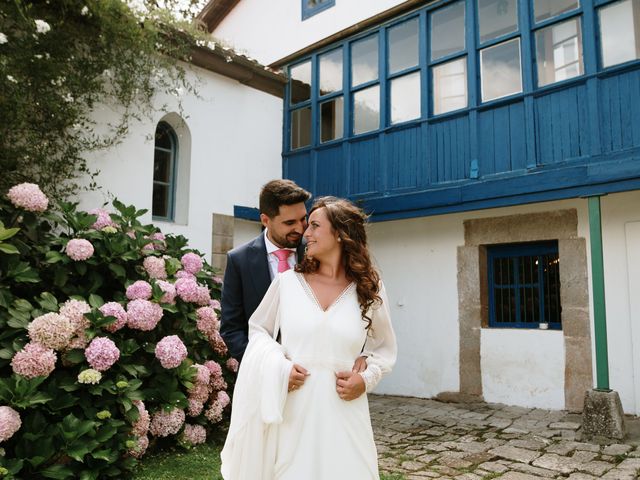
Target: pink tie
point(283, 255)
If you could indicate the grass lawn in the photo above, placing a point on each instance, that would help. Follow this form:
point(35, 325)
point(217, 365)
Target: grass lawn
point(200, 463)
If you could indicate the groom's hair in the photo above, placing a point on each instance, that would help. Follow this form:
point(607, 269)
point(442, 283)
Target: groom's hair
point(280, 192)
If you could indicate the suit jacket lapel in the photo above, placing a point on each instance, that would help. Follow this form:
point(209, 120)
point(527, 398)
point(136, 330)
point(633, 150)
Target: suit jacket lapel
point(259, 267)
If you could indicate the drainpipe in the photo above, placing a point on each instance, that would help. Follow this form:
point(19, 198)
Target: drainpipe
point(599, 310)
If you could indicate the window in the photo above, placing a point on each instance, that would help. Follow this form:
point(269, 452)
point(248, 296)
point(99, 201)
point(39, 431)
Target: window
point(497, 18)
point(500, 70)
point(559, 52)
point(524, 285)
point(330, 73)
point(364, 83)
point(164, 172)
point(312, 7)
point(448, 59)
point(620, 32)
point(403, 71)
point(545, 9)
point(300, 100)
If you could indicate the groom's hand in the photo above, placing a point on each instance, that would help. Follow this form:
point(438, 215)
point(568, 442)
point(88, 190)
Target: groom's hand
point(349, 385)
point(297, 376)
point(360, 365)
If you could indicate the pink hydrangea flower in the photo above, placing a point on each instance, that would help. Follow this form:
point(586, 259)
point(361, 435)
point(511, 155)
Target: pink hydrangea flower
point(169, 292)
point(34, 360)
point(28, 196)
point(199, 392)
point(187, 290)
point(74, 310)
point(103, 220)
point(143, 314)
point(195, 407)
point(158, 244)
point(171, 351)
point(155, 267)
point(51, 330)
point(218, 280)
point(141, 426)
point(102, 353)
point(233, 365)
point(207, 321)
point(194, 434)
point(164, 423)
point(142, 443)
point(114, 309)
point(203, 374)
point(214, 412)
point(139, 290)
point(217, 343)
point(79, 249)
point(203, 296)
point(214, 368)
point(191, 262)
point(10, 422)
point(217, 380)
point(215, 304)
point(223, 398)
point(185, 274)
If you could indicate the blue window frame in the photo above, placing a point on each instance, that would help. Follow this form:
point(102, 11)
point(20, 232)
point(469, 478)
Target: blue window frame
point(524, 285)
point(312, 7)
point(464, 48)
point(165, 161)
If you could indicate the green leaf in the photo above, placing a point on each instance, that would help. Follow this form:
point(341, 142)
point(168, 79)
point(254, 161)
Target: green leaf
point(6, 233)
point(118, 270)
point(60, 277)
point(95, 301)
point(81, 268)
point(57, 471)
point(77, 451)
point(48, 302)
point(8, 248)
point(74, 357)
point(53, 257)
point(6, 353)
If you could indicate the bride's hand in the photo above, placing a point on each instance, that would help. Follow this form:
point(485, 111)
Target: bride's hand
point(297, 377)
point(349, 385)
point(360, 365)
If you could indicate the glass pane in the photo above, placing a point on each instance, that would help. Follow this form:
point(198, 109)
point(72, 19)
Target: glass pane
point(550, 8)
point(160, 204)
point(403, 46)
point(619, 28)
point(300, 82)
point(366, 110)
point(447, 30)
point(364, 60)
point(530, 304)
point(551, 278)
point(331, 116)
point(504, 301)
point(163, 136)
point(405, 98)
point(500, 69)
point(497, 18)
point(162, 166)
point(559, 52)
point(301, 128)
point(528, 269)
point(450, 86)
point(503, 273)
point(330, 65)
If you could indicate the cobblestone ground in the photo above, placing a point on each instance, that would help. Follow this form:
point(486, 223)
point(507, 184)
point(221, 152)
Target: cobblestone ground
point(421, 439)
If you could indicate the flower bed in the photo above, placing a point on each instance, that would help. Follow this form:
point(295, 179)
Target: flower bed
point(109, 341)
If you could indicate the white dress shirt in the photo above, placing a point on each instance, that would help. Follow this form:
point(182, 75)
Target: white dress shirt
point(273, 260)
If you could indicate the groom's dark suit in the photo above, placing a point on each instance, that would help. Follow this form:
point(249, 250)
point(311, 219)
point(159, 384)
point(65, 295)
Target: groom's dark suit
point(246, 280)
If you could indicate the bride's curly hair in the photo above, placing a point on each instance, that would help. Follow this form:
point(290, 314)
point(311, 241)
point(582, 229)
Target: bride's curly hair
point(349, 222)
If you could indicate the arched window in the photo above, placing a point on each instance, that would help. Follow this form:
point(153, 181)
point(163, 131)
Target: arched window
point(164, 172)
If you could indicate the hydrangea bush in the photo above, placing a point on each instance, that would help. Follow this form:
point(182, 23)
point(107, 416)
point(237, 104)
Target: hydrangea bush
point(109, 340)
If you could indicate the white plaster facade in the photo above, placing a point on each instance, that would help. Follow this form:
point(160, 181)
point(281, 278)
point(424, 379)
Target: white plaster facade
point(255, 26)
point(229, 146)
point(417, 258)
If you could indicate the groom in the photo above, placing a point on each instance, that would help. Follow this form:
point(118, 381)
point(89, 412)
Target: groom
point(252, 266)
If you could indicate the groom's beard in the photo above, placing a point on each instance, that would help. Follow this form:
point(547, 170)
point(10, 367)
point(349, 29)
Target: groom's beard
point(291, 240)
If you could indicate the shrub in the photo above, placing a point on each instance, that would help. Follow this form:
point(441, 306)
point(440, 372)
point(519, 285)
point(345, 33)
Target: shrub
point(101, 355)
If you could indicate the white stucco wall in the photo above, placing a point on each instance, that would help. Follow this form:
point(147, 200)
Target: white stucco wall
point(417, 258)
point(257, 26)
point(236, 137)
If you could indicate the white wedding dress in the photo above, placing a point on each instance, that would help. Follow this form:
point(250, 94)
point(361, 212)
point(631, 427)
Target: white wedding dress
point(309, 433)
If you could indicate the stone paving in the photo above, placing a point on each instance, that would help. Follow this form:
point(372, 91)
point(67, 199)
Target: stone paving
point(422, 439)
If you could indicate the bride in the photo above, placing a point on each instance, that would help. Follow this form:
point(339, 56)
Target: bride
point(299, 411)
